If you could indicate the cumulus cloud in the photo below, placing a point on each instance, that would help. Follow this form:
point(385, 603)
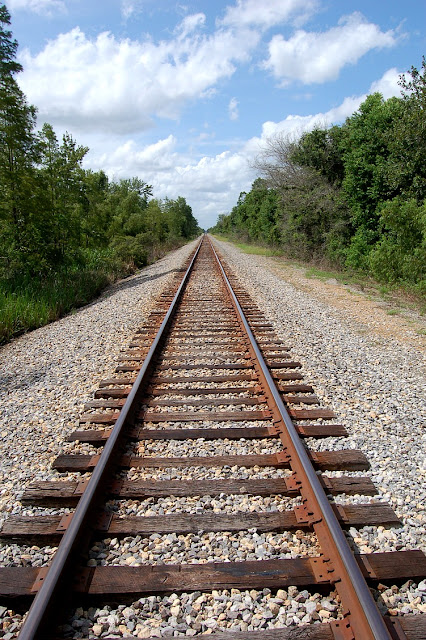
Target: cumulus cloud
point(190, 24)
point(319, 57)
point(128, 159)
point(111, 84)
point(268, 14)
point(211, 184)
point(233, 109)
point(388, 84)
point(44, 7)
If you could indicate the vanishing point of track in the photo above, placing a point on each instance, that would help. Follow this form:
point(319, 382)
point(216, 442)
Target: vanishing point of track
point(206, 365)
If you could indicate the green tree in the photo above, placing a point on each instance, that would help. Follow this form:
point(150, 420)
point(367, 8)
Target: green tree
point(157, 222)
point(321, 150)
point(62, 178)
point(127, 201)
point(8, 47)
point(369, 158)
point(410, 134)
point(180, 219)
point(18, 152)
point(96, 215)
point(400, 254)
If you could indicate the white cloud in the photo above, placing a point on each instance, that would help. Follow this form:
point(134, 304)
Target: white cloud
point(128, 160)
point(388, 84)
point(118, 85)
point(267, 14)
point(130, 7)
point(190, 24)
point(45, 7)
point(295, 125)
point(233, 109)
point(211, 184)
point(319, 57)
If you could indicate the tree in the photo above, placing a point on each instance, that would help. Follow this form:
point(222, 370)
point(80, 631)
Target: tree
point(18, 152)
point(311, 208)
point(321, 150)
point(410, 134)
point(369, 158)
point(96, 215)
point(400, 254)
point(127, 201)
point(180, 219)
point(62, 178)
point(8, 47)
point(275, 162)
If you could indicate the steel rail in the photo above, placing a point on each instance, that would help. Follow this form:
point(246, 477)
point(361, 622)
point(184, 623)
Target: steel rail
point(36, 621)
point(373, 626)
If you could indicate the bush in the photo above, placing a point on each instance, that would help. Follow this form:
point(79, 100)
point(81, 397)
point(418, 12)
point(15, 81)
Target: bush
point(131, 250)
point(400, 256)
point(357, 254)
point(29, 303)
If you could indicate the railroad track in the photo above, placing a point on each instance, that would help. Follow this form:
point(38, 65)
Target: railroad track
point(206, 402)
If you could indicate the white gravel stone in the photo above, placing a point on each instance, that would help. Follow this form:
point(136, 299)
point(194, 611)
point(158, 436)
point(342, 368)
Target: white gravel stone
point(372, 382)
point(47, 375)
point(203, 448)
point(194, 614)
point(203, 547)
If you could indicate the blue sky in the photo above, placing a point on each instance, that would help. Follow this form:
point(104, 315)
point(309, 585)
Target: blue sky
point(184, 94)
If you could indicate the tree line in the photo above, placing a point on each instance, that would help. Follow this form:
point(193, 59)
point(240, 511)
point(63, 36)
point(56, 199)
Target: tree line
point(351, 195)
point(63, 226)
point(52, 210)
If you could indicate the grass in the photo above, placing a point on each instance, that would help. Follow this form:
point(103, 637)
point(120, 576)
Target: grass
point(259, 251)
point(400, 296)
point(31, 303)
point(315, 272)
point(253, 249)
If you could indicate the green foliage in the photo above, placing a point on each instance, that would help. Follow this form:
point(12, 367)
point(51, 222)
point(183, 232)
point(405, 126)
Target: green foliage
point(8, 47)
point(400, 254)
point(357, 254)
point(321, 150)
point(65, 232)
point(27, 302)
point(410, 134)
point(254, 217)
point(132, 250)
point(351, 195)
point(369, 159)
point(179, 219)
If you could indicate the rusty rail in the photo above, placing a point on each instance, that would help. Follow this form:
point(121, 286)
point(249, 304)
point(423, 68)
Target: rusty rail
point(54, 581)
point(335, 566)
point(365, 619)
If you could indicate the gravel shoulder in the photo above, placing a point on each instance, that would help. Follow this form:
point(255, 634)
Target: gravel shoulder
point(363, 363)
point(47, 375)
point(373, 316)
point(368, 367)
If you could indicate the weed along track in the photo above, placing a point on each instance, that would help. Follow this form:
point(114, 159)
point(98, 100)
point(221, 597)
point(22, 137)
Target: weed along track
point(188, 503)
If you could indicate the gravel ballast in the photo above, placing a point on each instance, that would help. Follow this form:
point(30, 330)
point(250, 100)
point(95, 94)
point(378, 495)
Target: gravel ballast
point(47, 375)
point(373, 382)
point(370, 380)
